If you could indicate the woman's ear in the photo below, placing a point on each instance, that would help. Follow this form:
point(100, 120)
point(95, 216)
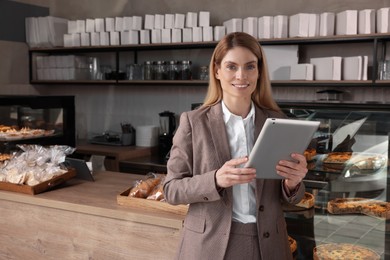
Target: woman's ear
point(216, 74)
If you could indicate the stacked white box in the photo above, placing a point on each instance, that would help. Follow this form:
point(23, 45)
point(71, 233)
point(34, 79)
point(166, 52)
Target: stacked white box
point(302, 71)
point(149, 22)
point(85, 39)
point(233, 25)
point(127, 23)
point(176, 35)
point(166, 36)
point(219, 32)
point(145, 36)
point(80, 26)
point(266, 27)
point(114, 38)
point(104, 38)
point(169, 21)
point(118, 24)
point(197, 34)
point(90, 25)
point(99, 25)
point(95, 39)
point(137, 23)
point(346, 22)
point(280, 26)
point(179, 21)
point(366, 20)
point(156, 36)
point(68, 40)
point(383, 20)
point(191, 19)
point(299, 25)
point(327, 24)
point(314, 25)
point(352, 68)
point(129, 37)
point(204, 19)
point(187, 34)
point(250, 26)
point(72, 27)
point(327, 68)
point(110, 24)
point(207, 33)
point(159, 21)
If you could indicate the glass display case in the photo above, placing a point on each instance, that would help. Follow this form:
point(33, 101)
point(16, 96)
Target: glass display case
point(348, 164)
point(44, 120)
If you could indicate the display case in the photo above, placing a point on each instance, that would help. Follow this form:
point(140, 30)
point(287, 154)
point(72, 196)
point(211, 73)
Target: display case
point(45, 120)
point(348, 163)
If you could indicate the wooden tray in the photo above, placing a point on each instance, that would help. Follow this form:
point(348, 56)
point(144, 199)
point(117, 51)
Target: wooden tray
point(41, 187)
point(149, 205)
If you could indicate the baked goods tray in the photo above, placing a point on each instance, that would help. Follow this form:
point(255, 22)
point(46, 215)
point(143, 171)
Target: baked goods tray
point(149, 205)
point(41, 187)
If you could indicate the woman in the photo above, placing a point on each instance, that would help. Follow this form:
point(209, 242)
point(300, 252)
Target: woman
point(232, 215)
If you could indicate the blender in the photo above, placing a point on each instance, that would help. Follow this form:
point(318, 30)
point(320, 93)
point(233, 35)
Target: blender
point(167, 128)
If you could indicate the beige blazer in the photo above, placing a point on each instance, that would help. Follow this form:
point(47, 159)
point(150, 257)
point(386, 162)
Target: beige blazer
point(200, 147)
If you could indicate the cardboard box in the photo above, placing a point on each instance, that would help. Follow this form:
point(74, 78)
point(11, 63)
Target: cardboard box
point(250, 26)
point(80, 26)
point(41, 187)
point(179, 21)
point(137, 23)
point(104, 38)
point(204, 19)
point(219, 32)
point(314, 25)
point(129, 37)
point(95, 39)
point(187, 34)
point(149, 205)
point(127, 23)
point(114, 38)
point(280, 26)
point(90, 25)
point(176, 35)
point(327, 68)
point(266, 27)
point(149, 22)
point(72, 27)
point(156, 36)
point(110, 24)
point(99, 25)
point(346, 22)
point(327, 24)
point(383, 20)
point(301, 72)
point(118, 24)
point(366, 20)
point(197, 34)
point(233, 25)
point(207, 34)
point(159, 21)
point(169, 21)
point(85, 39)
point(299, 25)
point(145, 36)
point(191, 19)
point(166, 36)
point(352, 68)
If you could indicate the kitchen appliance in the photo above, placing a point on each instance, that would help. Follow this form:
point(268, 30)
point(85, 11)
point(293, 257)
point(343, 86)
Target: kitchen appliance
point(167, 129)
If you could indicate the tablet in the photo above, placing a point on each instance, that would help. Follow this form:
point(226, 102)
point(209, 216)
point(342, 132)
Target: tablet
point(278, 139)
point(82, 170)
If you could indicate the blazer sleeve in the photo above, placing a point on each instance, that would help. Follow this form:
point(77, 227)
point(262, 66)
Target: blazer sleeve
point(182, 185)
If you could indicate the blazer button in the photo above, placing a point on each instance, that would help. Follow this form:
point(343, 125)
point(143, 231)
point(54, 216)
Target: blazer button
point(205, 198)
point(261, 208)
point(266, 235)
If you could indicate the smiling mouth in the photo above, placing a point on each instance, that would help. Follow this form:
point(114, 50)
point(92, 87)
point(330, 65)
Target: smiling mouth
point(240, 85)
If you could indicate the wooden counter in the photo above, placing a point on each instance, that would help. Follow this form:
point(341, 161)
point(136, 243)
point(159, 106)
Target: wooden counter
point(82, 220)
point(113, 154)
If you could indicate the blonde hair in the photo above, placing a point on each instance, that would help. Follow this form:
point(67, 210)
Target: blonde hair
point(262, 96)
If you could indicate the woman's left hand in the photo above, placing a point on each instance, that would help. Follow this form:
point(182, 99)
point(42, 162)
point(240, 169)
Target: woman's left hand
point(293, 172)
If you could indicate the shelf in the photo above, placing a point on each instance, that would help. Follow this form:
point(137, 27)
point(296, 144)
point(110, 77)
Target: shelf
point(324, 83)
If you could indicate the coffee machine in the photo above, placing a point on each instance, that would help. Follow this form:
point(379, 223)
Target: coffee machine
point(167, 129)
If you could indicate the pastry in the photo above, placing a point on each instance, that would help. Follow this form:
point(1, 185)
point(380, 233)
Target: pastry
point(374, 208)
point(293, 244)
point(309, 154)
point(307, 201)
point(343, 251)
point(144, 187)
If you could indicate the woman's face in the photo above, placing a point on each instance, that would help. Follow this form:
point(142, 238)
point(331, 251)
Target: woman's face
point(238, 73)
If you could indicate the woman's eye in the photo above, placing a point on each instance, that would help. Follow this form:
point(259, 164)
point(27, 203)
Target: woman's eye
point(231, 67)
point(251, 67)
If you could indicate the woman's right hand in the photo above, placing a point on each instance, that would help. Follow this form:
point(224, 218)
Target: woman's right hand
point(230, 174)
